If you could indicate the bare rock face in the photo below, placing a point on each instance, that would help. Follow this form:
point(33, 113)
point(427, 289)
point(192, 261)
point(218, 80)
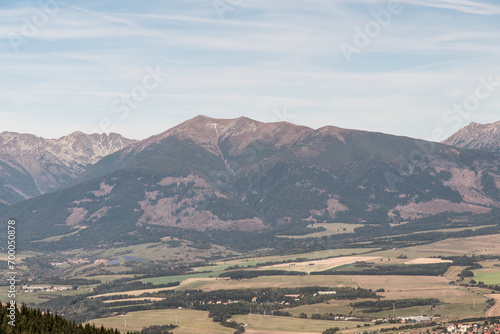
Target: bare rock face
point(477, 136)
point(31, 165)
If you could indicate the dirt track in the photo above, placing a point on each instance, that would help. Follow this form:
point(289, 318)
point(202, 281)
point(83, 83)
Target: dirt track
point(324, 264)
point(426, 260)
point(252, 331)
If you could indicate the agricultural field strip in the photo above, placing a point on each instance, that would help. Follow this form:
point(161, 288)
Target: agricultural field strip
point(395, 282)
point(332, 253)
point(488, 275)
point(484, 244)
point(253, 331)
point(133, 299)
point(132, 292)
point(453, 229)
point(211, 284)
point(189, 321)
point(331, 229)
point(276, 324)
point(427, 260)
point(319, 265)
point(494, 311)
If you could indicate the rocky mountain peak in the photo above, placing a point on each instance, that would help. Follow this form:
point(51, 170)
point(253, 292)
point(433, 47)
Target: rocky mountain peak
point(86, 148)
point(34, 165)
point(477, 136)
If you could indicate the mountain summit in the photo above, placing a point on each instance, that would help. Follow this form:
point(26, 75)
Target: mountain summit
point(210, 132)
point(477, 136)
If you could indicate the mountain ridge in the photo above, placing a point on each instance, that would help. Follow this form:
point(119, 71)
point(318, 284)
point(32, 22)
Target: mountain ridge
point(477, 136)
point(242, 175)
point(32, 165)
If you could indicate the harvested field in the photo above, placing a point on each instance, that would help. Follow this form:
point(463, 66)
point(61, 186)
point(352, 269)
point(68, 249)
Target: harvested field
point(210, 284)
point(484, 244)
point(133, 299)
point(189, 321)
point(332, 306)
point(494, 311)
point(320, 265)
point(427, 260)
point(131, 292)
point(251, 331)
point(403, 283)
point(257, 323)
point(311, 255)
point(453, 294)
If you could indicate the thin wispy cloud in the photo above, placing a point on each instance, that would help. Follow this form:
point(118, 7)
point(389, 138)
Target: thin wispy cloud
point(469, 7)
point(259, 56)
point(105, 16)
point(192, 19)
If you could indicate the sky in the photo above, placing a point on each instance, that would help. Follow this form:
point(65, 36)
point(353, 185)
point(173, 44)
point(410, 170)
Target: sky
point(418, 68)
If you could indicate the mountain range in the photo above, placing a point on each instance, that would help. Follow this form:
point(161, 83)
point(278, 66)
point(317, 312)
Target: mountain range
point(477, 136)
point(240, 175)
point(31, 165)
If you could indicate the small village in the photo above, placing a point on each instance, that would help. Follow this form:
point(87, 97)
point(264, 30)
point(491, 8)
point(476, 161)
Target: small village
point(29, 288)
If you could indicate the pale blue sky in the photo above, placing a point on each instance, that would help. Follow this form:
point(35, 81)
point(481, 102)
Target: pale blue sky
point(65, 64)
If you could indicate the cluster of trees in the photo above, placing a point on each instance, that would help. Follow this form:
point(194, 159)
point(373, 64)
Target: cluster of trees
point(302, 230)
point(466, 273)
point(165, 329)
point(240, 274)
point(240, 328)
point(69, 281)
point(147, 269)
point(434, 269)
point(406, 327)
point(369, 306)
point(35, 321)
point(269, 300)
point(78, 308)
point(325, 316)
point(331, 330)
point(480, 284)
point(282, 313)
point(462, 260)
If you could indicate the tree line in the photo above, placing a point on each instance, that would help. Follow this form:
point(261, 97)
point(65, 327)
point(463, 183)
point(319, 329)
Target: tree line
point(434, 269)
point(31, 320)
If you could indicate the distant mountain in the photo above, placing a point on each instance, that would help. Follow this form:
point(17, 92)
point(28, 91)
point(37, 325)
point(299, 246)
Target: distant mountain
point(31, 165)
point(242, 175)
point(477, 136)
